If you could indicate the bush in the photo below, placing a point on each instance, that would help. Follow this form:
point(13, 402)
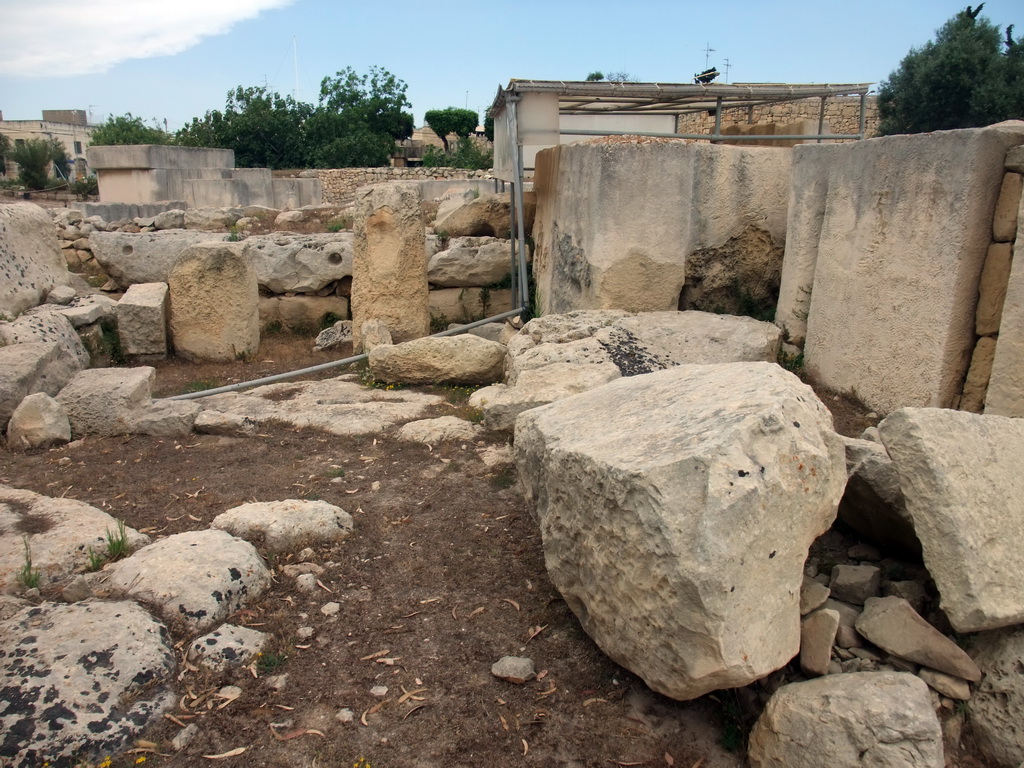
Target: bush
point(83, 188)
point(466, 154)
point(35, 157)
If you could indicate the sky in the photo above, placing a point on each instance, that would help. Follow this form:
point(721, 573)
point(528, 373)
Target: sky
point(172, 61)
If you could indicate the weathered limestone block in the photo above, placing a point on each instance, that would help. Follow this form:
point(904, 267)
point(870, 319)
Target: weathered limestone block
point(978, 376)
point(997, 708)
point(142, 319)
point(470, 261)
point(434, 431)
point(992, 290)
point(31, 262)
point(1004, 221)
point(963, 479)
point(462, 359)
point(198, 578)
point(49, 326)
point(85, 680)
point(173, 219)
point(301, 263)
point(107, 401)
point(213, 219)
point(38, 422)
point(903, 241)
point(601, 243)
point(676, 511)
point(389, 271)
point(848, 721)
point(214, 304)
point(84, 310)
point(145, 257)
point(817, 633)
point(467, 304)
point(281, 526)
point(227, 646)
point(486, 215)
point(61, 533)
point(29, 368)
point(300, 312)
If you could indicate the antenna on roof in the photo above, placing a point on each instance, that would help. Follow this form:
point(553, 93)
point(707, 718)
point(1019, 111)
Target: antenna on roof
point(708, 50)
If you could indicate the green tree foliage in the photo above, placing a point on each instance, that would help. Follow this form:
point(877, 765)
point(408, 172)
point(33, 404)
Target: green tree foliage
point(595, 77)
point(467, 153)
point(35, 157)
point(127, 129)
point(461, 122)
point(968, 76)
point(265, 129)
point(489, 126)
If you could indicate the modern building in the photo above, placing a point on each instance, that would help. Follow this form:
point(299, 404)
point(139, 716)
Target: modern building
point(69, 126)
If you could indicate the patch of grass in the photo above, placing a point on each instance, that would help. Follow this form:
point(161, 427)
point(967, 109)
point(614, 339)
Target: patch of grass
point(335, 472)
point(267, 663)
point(366, 379)
point(117, 543)
point(504, 478)
point(329, 319)
point(273, 328)
point(201, 385)
point(234, 236)
point(28, 576)
point(96, 560)
point(792, 363)
point(457, 394)
point(439, 322)
point(342, 222)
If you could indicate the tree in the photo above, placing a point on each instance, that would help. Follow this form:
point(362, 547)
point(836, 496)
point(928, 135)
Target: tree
point(35, 157)
point(967, 77)
point(595, 77)
point(461, 122)
point(265, 129)
point(5, 150)
point(127, 129)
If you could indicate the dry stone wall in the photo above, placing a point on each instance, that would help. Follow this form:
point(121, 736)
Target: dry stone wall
point(340, 184)
point(841, 113)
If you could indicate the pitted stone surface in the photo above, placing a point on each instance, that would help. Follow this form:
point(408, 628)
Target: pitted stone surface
point(197, 578)
point(38, 422)
point(470, 261)
point(300, 263)
point(462, 359)
point(60, 533)
point(433, 431)
point(146, 257)
point(227, 646)
point(681, 505)
point(80, 681)
point(142, 319)
point(281, 526)
point(107, 401)
point(49, 326)
point(997, 708)
point(29, 368)
point(333, 405)
point(30, 259)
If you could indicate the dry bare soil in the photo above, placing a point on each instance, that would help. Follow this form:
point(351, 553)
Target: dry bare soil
point(443, 575)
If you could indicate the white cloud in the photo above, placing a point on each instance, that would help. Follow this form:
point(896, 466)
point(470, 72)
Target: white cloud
point(96, 35)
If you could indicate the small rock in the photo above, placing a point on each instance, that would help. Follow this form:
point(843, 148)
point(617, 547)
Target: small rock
point(330, 609)
point(817, 633)
point(306, 555)
point(277, 682)
point(228, 645)
point(344, 715)
point(863, 552)
point(514, 669)
point(911, 591)
point(304, 633)
point(855, 583)
point(182, 739)
point(947, 685)
point(379, 691)
point(812, 596)
point(298, 569)
point(230, 692)
point(77, 590)
point(307, 583)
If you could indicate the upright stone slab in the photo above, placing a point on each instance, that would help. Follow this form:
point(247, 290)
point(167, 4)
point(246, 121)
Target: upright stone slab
point(962, 476)
point(389, 271)
point(31, 262)
point(676, 511)
point(904, 234)
point(214, 304)
point(1006, 385)
point(142, 319)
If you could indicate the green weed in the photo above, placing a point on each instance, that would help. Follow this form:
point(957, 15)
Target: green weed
point(28, 576)
point(117, 543)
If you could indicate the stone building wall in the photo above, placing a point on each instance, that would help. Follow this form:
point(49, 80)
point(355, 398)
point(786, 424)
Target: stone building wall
point(340, 184)
point(841, 113)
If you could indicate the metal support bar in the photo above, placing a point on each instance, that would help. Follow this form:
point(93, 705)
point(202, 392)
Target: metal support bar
point(513, 264)
point(718, 117)
point(863, 100)
point(821, 118)
point(707, 136)
point(519, 234)
point(332, 364)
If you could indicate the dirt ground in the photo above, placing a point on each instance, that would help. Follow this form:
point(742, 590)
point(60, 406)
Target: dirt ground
point(443, 575)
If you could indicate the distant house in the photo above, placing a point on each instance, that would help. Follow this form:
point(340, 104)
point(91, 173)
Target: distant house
point(69, 126)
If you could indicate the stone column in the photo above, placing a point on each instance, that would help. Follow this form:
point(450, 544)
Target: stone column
point(389, 270)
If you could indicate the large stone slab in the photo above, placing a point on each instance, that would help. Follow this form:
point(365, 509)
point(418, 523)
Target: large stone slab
point(300, 263)
point(80, 681)
point(676, 511)
point(38, 422)
point(1005, 396)
point(31, 262)
point(464, 359)
point(29, 368)
point(849, 721)
point(873, 503)
point(618, 221)
point(214, 310)
point(962, 476)
point(389, 270)
point(196, 579)
point(144, 257)
point(49, 326)
point(107, 401)
point(60, 533)
point(333, 405)
point(470, 261)
point(997, 707)
point(280, 526)
point(904, 234)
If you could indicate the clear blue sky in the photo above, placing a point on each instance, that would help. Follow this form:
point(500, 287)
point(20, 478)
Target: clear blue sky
point(175, 60)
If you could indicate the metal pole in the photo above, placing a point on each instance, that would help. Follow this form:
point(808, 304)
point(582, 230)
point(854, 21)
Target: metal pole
point(821, 118)
point(332, 364)
point(517, 191)
point(704, 136)
point(514, 269)
point(863, 100)
point(718, 119)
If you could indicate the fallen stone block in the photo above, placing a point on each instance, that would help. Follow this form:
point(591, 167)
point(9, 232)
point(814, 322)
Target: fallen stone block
point(38, 422)
point(147, 257)
point(447, 360)
point(282, 526)
point(142, 320)
point(107, 401)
